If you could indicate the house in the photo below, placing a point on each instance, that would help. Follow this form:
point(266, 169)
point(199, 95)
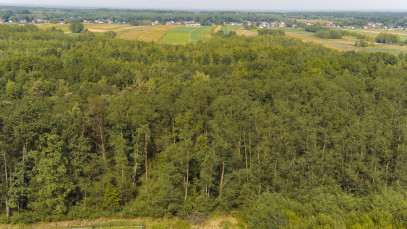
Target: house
point(282, 24)
point(192, 23)
point(330, 25)
point(249, 23)
point(85, 21)
point(274, 24)
point(23, 21)
point(294, 25)
point(1, 21)
point(61, 22)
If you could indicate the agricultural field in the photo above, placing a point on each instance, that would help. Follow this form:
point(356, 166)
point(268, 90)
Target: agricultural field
point(185, 35)
point(46, 26)
point(338, 44)
point(344, 44)
point(239, 30)
point(128, 32)
point(374, 33)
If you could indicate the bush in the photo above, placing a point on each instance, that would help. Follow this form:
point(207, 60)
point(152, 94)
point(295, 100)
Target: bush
point(274, 32)
point(23, 218)
point(328, 34)
point(362, 43)
point(182, 224)
point(388, 38)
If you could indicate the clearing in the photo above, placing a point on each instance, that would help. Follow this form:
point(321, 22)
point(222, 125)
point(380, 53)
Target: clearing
point(185, 35)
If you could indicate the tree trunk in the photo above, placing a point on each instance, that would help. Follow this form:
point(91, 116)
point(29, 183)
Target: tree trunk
point(221, 179)
point(245, 154)
point(146, 156)
point(6, 183)
point(187, 179)
point(102, 142)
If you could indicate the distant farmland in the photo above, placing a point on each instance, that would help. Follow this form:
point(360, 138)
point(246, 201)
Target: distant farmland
point(186, 35)
point(128, 32)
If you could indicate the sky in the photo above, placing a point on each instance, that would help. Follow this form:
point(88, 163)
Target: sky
point(245, 5)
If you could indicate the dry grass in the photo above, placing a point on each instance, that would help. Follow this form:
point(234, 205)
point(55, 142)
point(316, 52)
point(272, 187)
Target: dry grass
point(147, 33)
point(46, 26)
point(216, 223)
point(128, 32)
point(219, 27)
point(338, 44)
point(211, 223)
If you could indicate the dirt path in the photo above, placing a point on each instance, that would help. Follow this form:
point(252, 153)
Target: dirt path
point(189, 34)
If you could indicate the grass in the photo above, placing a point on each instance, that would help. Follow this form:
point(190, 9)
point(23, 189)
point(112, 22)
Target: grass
point(344, 44)
point(178, 36)
point(217, 28)
point(185, 35)
point(374, 33)
point(375, 49)
point(150, 223)
point(203, 33)
point(46, 26)
point(299, 31)
point(225, 29)
point(338, 44)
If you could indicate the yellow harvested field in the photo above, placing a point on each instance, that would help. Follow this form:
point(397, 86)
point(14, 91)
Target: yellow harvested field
point(219, 27)
point(147, 33)
point(46, 26)
point(129, 32)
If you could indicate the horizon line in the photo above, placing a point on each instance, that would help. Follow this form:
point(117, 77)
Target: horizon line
point(208, 9)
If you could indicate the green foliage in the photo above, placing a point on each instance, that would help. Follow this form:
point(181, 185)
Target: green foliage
point(289, 134)
point(25, 217)
point(328, 34)
point(388, 38)
point(111, 199)
point(275, 32)
point(362, 43)
point(182, 225)
point(76, 27)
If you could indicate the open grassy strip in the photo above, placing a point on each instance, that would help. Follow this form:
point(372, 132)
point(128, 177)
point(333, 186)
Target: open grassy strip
point(46, 26)
point(374, 33)
point(178, 36)
point(344, 44)
point(202, 33)
point(376, 49)
point(299, 31)
point(225, 29)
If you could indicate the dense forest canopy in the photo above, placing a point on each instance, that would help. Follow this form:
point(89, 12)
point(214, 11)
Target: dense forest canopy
point(284, 132)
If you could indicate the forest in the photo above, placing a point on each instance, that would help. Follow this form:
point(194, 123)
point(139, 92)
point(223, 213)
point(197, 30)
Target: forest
point(140, 17)
point(280, 133)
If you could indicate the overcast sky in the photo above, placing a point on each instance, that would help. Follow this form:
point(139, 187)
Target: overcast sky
point(263, 5)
